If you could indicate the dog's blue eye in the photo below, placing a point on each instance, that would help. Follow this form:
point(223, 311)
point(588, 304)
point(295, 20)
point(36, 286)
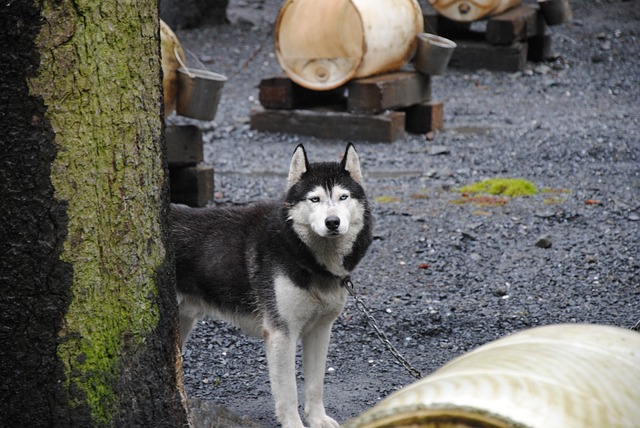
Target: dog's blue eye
point(344, 197)
point(314, 199)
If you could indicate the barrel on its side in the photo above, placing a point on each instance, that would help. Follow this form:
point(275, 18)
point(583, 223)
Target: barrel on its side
point(569, 375)
point(321, 45)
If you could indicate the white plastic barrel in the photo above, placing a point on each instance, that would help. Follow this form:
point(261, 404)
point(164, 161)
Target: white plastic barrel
point(472, 10)
point(559, 376)
point(322, 44)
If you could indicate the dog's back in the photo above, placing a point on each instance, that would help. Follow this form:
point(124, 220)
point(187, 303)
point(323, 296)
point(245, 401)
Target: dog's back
point(216, 249)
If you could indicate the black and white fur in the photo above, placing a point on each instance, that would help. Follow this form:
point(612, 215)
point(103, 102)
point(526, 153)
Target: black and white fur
point(275, 269)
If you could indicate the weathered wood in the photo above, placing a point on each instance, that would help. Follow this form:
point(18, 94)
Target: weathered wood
point(539, 48)
point(184, 145)
point(517, 24)
point(280, 92)
point(192, 185)
point(425, 117)
point(388, 91)
point(473, 55)
point(327, 123)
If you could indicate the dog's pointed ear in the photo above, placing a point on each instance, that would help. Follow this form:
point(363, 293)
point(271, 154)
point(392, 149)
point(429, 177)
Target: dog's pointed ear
point(351, 163)
point(299, 165)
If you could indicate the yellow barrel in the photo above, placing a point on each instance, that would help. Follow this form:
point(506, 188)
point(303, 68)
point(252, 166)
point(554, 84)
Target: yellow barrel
point(560, 376)
point(322, 44)
point(472, 10)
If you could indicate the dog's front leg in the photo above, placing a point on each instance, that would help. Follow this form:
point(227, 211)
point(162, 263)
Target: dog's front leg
point(315, 345)
point(281, 358)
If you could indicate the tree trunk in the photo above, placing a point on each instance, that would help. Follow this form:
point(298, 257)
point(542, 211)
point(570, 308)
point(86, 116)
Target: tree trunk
point(88, 322)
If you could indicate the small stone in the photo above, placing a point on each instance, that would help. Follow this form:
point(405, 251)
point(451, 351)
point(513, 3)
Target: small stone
point(542, 69)
point(439, 150)
point(501, 290)
point(544, 214)
point(634, 216)
point(467, 236)
point(544, 242)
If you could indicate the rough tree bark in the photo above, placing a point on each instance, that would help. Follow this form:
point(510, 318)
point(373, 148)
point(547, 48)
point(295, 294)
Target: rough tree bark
point(87, 308)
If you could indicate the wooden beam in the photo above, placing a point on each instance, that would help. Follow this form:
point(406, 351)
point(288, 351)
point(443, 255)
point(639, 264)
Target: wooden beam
point(191, 185)
point(424, 117)
point(184, 145)
point(473, 55)
point(539, 48)
point(517, 24)
point(331, 123)
point(388, 91)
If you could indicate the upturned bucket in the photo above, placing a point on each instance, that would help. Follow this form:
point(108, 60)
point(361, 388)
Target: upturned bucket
point(433, 54)
point(199, 93)
point(321, 45)
point(569, 375)
point(556, 12)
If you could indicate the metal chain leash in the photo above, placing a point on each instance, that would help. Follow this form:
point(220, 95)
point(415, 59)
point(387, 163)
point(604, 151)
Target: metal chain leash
point(360, 305)
point(383, 337)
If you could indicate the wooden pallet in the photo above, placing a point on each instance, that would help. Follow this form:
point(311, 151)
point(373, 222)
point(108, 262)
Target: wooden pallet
point(502, 42)
point(190, 180)
point(378, 108)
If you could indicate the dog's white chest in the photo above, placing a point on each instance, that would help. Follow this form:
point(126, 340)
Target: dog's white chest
point(301, 308)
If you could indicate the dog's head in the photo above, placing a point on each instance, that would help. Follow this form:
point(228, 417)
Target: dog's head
point(326, 199)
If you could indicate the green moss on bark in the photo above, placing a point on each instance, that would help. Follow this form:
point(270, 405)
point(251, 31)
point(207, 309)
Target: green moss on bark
point(99, 79)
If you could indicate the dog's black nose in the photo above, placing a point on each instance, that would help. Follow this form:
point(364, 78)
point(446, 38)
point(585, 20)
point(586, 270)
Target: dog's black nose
point(332, 222)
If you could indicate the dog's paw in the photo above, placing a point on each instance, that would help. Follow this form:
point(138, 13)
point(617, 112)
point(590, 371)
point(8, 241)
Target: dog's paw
point(323, 421)
point(292, 421)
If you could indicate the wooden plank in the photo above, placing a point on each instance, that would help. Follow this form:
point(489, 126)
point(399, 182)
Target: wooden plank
point(539, 48)
point(280, 92)
point(473, 55)
point(191, 185)
point(184, 145)
point(516, 24)
point(330, 123)
point(424, 117)
point(388, 91)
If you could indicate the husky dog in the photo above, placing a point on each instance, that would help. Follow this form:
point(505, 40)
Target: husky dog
point(276, 269)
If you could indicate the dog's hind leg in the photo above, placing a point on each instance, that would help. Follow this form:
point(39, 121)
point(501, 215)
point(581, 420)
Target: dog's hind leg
point(314, 356)
point(186, 325)
point(281, 358)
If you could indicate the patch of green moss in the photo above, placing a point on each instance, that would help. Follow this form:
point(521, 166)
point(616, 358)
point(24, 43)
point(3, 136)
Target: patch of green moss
point(387, 199)
point(481, 201)
point(512, 187)
point(555, 191)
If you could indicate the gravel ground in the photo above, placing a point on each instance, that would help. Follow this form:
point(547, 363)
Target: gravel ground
point(442, 277)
